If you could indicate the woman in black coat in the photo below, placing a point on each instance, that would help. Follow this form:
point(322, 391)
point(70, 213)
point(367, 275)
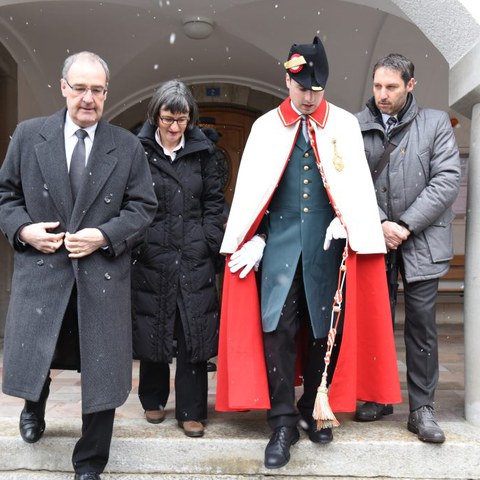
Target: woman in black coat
point(174, 300)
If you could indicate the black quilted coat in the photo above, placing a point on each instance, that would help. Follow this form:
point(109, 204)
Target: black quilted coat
point(175, 265)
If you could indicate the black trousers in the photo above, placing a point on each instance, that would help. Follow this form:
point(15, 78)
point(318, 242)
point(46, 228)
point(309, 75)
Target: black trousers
point(191, 382)
point(281, 353)
point(420, 333)
point(92, 450)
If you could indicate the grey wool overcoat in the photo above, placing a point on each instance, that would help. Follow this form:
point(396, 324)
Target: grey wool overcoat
point(117, 197)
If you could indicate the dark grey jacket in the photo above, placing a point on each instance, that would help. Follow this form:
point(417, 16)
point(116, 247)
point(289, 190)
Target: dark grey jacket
point(175, 265)
point(117, 197)
point(419, 184)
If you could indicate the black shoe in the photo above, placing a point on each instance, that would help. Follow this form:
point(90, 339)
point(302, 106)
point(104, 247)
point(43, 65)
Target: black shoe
point(32, 417)
point(32, 424)
point(422, 422)
point(309, 425)
point(371, 411)
point(211, 367)
point(87, 476)
point(277, 453)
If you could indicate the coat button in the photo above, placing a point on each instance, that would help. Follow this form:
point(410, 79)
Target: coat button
point(306, 181)
point(305, 210)
point(383, 189)
point(306, 195)
point(306, 154)
point(306, 168)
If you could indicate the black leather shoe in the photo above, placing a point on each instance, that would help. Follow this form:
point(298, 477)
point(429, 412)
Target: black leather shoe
point(211, 367)
point(32, 417)
point(422, 422)
point(309, 425)
point(87, 476)
point(32, 424)
point(371, 411)
point(277, 453)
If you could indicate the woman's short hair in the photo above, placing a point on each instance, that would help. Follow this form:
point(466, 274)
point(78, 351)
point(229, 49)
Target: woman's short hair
point(176, 97)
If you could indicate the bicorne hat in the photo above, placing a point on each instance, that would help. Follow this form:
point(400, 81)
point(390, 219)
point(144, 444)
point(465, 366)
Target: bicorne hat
point(307, 64)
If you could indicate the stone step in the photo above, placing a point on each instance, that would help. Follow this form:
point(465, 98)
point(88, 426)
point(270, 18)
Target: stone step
point(233, 448)
point(25, 475)
point(28, 475)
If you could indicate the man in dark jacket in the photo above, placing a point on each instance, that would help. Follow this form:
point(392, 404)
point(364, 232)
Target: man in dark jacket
point(415, 166)
point(75, 193)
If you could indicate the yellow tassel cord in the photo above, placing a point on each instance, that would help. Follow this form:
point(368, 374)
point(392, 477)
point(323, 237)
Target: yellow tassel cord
point(322, 412)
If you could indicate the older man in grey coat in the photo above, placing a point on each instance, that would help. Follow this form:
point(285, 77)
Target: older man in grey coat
point(415, 165)
point(72, 227)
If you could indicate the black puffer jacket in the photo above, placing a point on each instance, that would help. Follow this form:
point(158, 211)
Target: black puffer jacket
point(175, 265)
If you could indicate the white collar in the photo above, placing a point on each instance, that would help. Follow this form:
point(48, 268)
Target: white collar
point(71, 128)
point(386, 116)
point(172, 154)
point(296, 109)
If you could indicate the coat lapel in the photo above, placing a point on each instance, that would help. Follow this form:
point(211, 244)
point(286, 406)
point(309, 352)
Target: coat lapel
point(52, 161)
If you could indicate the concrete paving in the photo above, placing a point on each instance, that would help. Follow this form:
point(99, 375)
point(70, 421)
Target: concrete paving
point(234, 443)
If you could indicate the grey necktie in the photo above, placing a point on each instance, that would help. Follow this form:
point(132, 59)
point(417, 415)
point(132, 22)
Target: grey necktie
point(391, 122)
point(305, 129)
point(77, 163)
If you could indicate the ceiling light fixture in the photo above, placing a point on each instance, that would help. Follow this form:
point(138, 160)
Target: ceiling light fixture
point(198, 28)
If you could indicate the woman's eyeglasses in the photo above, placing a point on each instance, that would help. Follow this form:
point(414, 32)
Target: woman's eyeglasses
point(182, 121)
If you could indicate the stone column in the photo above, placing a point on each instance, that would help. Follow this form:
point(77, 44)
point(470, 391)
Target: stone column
point(472, 276)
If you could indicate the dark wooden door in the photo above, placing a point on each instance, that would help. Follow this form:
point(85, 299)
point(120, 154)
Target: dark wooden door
point(233, 125)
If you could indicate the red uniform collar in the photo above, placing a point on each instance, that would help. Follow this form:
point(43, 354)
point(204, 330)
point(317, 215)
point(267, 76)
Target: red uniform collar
point(289, 116)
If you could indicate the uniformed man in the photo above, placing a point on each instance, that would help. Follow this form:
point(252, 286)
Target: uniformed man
point(303, 183)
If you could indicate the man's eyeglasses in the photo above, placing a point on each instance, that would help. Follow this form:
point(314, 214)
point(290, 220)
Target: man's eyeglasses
point(182, 121)
point(80, 90)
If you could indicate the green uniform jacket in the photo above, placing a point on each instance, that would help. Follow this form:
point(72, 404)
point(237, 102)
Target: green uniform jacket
point(298, 216)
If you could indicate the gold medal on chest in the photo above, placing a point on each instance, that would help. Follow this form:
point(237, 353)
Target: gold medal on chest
point(337, 159)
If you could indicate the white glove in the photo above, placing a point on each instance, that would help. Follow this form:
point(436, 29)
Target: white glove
point(249, 256)
point(335, 230)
